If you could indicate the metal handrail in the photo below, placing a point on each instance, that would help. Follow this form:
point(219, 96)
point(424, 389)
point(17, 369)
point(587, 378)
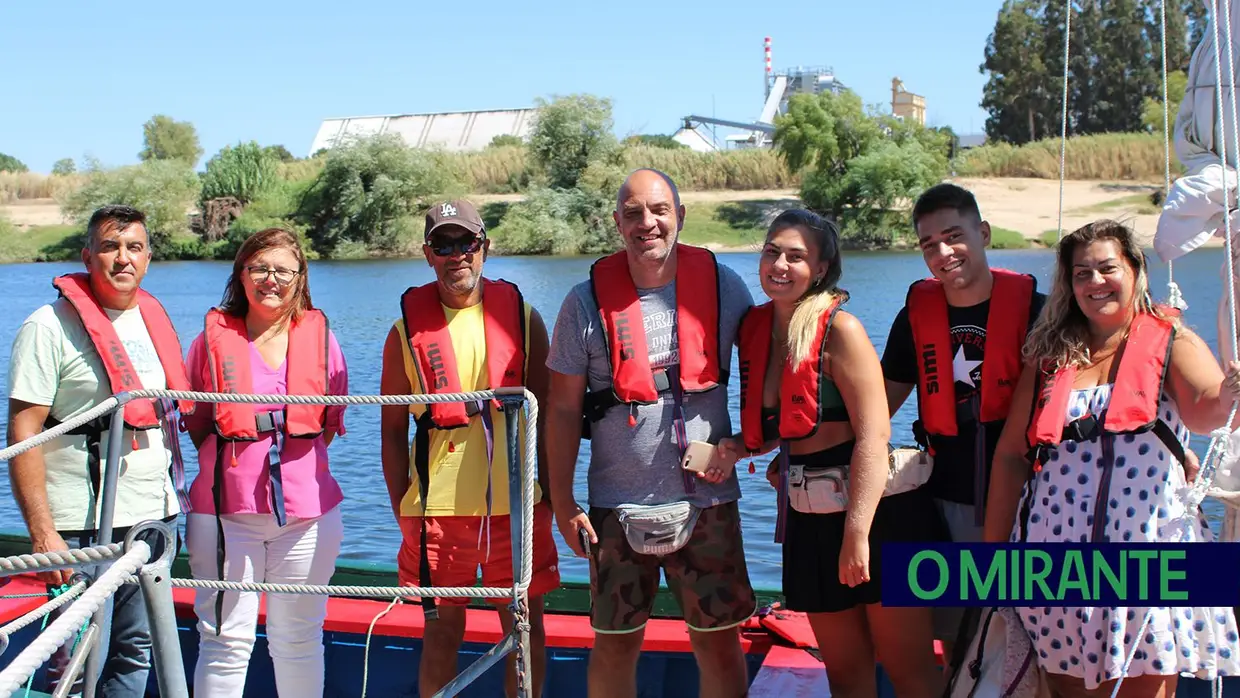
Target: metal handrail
point(157, 588)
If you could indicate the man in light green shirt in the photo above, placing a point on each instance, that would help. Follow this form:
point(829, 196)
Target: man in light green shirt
point(57, 372)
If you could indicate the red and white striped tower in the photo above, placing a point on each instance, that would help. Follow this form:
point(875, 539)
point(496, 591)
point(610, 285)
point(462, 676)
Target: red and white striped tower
point(766, 78)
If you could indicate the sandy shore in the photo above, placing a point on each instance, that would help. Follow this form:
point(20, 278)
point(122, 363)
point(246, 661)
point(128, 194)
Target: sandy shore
point(1028, 206)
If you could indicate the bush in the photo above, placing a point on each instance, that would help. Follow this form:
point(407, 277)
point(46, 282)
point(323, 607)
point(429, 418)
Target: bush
point(242, 172)
point(660, 140)
point(8, 163)
point(1004, 239)
point(63, 167)
point(165, 190)
point(280, 153)
point(370, 192)
point(506, 140)
point(560, 222)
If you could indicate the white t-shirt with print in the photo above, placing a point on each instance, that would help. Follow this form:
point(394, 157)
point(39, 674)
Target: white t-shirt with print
point(54, 363)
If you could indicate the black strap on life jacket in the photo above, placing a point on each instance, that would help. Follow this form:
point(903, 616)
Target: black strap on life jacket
point(1089, 427)
point(422, 469)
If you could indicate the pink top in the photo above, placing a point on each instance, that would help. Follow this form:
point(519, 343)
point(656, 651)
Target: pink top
point(309, 488)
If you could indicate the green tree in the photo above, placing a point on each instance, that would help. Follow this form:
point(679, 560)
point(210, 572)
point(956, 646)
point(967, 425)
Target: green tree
point(1198, 22)
point(370, 192)
point(1178, 50)
point(1125, 73)
point(8, 163)
point(163, 189)
point(568, 135)
point(63, 166)
point(1016, 88)
point(1152, 112)
point(243, 172)
point(857, 167)
point(165, 138)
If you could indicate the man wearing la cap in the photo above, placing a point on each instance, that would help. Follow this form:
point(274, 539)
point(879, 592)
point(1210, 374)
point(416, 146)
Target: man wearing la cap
point(460, 333)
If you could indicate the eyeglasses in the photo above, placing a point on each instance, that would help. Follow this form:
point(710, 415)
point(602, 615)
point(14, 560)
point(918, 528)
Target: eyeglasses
point(447, 247)
point(284, 277)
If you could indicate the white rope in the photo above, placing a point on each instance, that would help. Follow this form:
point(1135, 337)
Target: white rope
point(329, 590)
point(58, 559)
point(72, 593)
point(1174, 297)
point(68, 425)
point(1063, 133)
point(1123, 673)
point(1235, 134)
point(67, 625)
point(366, 653)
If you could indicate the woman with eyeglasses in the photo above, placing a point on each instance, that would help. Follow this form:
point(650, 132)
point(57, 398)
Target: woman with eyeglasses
point(265, 507)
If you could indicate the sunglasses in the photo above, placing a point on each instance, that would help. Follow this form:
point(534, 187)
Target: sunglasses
point(443, 247)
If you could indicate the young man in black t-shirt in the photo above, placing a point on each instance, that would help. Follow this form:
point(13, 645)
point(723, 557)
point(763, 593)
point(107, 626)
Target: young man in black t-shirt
point(953, 239)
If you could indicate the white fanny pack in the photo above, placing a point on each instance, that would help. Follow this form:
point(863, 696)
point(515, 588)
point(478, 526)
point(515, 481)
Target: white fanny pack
point(825, 490)
point(659, 529)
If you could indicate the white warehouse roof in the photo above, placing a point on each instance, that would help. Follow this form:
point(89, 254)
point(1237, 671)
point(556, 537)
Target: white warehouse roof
point(455, 131)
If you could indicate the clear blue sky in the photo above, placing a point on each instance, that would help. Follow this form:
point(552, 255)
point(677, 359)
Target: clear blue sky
point(81, 77)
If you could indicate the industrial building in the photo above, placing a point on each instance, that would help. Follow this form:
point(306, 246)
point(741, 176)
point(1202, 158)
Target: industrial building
point(699, 133)
point(453, 131)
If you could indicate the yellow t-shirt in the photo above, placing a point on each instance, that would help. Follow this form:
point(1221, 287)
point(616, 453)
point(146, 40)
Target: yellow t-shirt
point(458, 478)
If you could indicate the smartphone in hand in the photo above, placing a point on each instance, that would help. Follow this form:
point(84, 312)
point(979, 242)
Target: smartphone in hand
point(701, 456)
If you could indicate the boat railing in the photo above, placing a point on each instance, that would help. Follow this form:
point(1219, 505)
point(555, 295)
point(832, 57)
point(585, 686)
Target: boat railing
point(112, 565)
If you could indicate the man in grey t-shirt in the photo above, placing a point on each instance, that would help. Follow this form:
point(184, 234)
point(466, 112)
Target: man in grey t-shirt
point(671, 390)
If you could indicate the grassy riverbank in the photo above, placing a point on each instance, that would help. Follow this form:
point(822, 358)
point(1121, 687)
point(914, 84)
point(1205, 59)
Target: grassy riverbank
point(723, 226)
point(1020, 210)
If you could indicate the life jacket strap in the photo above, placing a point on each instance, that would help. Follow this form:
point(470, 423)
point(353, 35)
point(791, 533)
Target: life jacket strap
point(781, 505)
point(275, 471)
point(422, 470)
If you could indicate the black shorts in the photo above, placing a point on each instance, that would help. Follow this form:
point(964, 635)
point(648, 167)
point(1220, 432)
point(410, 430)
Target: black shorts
point(812, 543)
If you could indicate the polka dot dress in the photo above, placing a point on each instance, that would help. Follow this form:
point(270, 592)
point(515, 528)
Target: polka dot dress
point(1093, 643)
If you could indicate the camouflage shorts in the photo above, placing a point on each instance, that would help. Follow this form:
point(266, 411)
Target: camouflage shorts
point(708, 576)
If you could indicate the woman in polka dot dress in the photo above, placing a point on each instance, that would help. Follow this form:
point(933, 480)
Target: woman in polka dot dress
point(1131, 480)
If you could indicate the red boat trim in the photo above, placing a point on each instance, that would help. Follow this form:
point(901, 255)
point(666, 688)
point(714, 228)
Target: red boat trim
point(353, 616)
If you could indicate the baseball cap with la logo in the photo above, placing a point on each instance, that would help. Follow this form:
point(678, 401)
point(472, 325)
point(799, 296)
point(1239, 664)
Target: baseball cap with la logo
point(459, 213)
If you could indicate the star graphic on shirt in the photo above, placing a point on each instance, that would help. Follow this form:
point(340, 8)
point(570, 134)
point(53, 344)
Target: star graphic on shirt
point(962, 368)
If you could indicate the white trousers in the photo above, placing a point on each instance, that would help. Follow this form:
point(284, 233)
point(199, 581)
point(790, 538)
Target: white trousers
point(258, 550)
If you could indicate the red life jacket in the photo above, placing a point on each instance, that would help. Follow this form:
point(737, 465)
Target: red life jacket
point(228, 356)
point(1135, 394)
point(800, 396)
point(426, 330)
point(1007, 322)
point(624, 333)
point(139, 414)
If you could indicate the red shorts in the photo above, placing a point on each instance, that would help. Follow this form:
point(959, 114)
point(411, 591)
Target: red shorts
point(455, 554)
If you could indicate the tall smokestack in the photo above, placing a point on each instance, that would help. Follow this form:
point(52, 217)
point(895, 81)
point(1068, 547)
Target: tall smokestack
point(766, 78)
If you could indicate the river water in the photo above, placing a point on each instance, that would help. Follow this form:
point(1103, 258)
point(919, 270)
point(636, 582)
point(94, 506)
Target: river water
point(362, 300)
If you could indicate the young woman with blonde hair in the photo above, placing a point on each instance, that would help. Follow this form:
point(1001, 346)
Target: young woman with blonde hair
point(812, 386)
